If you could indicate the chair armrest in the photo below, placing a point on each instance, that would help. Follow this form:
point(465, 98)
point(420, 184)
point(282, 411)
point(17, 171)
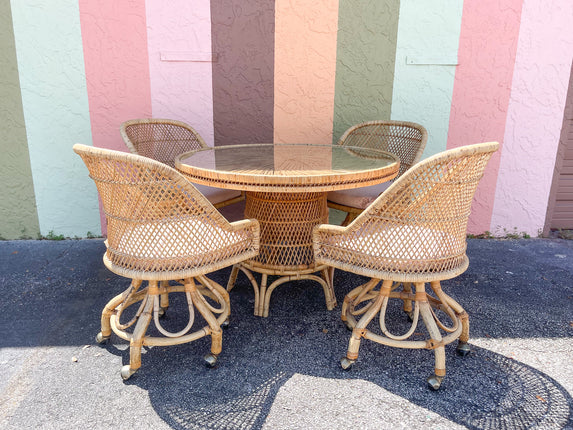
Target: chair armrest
point(246, 224)
point(320, 232)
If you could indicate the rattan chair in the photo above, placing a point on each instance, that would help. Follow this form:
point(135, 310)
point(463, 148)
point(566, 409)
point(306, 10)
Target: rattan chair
point(413, 234)
point(406, 140)
point(165, 139)
point(159, 229)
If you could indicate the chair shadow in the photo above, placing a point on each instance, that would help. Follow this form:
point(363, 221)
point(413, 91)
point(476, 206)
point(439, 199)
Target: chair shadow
point(484, 390)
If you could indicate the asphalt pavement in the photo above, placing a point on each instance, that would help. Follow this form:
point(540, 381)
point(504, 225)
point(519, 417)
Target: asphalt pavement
point(283, 372)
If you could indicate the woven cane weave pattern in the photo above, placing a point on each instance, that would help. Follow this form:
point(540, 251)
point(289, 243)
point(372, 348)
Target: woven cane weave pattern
point(160, 139)
point(159, 222)
point(405, 139)
point(286, 220)
point(417, 227)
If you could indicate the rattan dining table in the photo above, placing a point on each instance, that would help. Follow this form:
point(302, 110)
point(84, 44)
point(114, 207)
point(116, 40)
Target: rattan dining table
point(286, 187)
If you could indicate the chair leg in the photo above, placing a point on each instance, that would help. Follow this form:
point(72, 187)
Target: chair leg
point(436, 340)
point(164, 298)
point(349, 218)
point(359, 330)
point(351, 298)
point(233, 277)
point(136, 341)
point(110, 309)
point(106, 314)
point(215, 330)
point(463, 347)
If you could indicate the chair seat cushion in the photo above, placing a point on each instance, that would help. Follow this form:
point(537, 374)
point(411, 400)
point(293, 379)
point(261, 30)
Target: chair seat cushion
point(217, 195)
point(177, 245)
point(402, 249)
point(359, 198)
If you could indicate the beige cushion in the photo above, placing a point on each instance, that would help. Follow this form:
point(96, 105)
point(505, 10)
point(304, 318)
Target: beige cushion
point(358, 197)
point(192, 239)
point(217, 195)
point(408, 249)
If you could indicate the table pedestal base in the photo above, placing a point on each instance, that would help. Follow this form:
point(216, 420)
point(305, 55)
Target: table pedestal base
point(286, 221)
point(263, 292)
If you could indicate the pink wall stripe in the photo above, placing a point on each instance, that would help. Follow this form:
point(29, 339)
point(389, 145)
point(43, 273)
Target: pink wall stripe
point(180, 67)
point(305, 69)
point(114, 37)
point(535, 116)
point(482, 86)
point(117, 70)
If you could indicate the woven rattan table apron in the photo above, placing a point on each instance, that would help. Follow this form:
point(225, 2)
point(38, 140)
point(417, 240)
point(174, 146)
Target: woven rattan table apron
point(286, 186)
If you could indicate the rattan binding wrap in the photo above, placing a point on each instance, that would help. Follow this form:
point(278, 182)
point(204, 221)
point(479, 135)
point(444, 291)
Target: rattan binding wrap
point(165, 139)
point(161, 228)
point(412, 234)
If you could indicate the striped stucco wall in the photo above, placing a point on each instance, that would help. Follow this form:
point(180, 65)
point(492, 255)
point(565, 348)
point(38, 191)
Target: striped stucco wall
point(247, 71)
point(242, 34)
point(426, 58)
point(365, 62)
point(117, 68)
point(305, 66)
point(534, 116)
point(482, 87)
point(180, 62)
point(55, 106)
point(17, 200)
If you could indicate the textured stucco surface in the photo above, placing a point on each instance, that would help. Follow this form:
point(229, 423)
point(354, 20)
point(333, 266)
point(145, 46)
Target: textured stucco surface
point(247, 71)
point(482, 86)
point(117, 68)
point(535, 116)
point(54, 98)
point(17, 201)
point(181, 84)
point(305, 66)
point(243, 39)
point(366, 51)
point(428, 34)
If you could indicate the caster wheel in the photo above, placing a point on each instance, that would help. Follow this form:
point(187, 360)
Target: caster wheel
point(435, 381)
point(346, 363)
point(410, 315)
point(225, 324)
point(100, 338)
point(463, 349)
point(348, 326)
point(161, 312)
point(126, 372)
point(210, 360)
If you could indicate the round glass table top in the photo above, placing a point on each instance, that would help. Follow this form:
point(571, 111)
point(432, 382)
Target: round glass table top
point(288, 167)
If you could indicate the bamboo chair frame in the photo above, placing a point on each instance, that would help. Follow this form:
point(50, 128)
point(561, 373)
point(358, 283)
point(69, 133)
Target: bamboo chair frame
point(406, 140)
point(165, 139)
point(412, 234)
point(160, 228)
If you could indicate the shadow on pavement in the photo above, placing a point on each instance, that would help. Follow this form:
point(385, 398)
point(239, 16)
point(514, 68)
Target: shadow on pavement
point(54, 293)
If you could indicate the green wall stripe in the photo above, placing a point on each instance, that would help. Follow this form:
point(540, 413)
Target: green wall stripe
point(366, 51)
point(426, 58)
point(18, 213)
